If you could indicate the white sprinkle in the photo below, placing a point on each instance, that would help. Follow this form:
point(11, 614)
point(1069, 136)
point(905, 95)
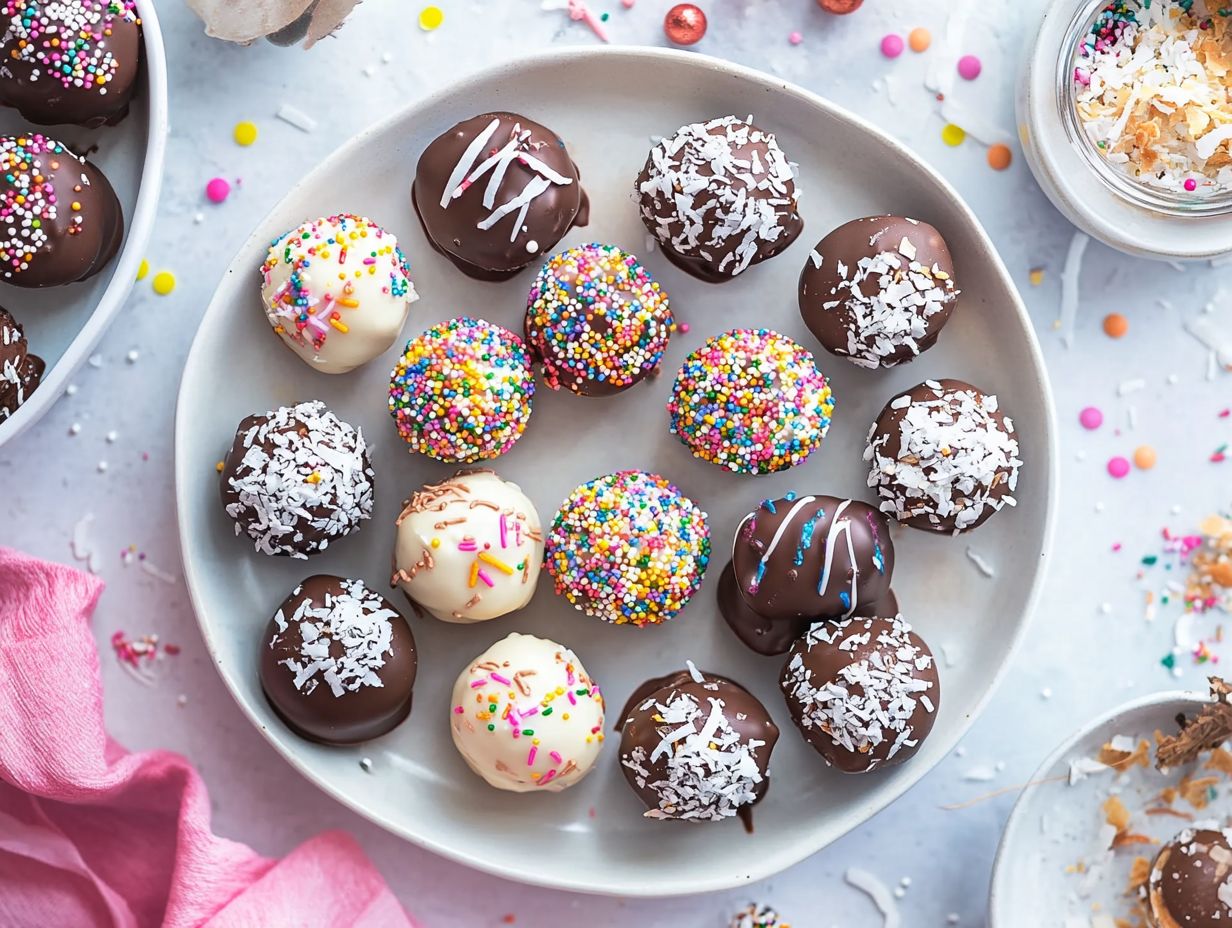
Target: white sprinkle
point(532, 246)
point(112, 436)
point(1099, 506)
point(369, 71)
point(1070, 275)
point(1105, 608)
point(952, 918)
point(199, 218)
point(1046, 693)
point(1080, 455)
point(1131, 418)
point(1173, 379)
point(899, 892)
point(132, 356)
point(387, 57)
point(293, 116)
point(75, 428)
point(71, 390)
point(980, 774)
point(181, 700)
point(153, 570)
point(872, 887)
point(1126, 387)
point(81, 545)
point(365, 764)
point(980, 563)
point(694, 672)
point(1176, 265)
point(905, 882)
point(1176, 509)
point(102, 467)
point(95, 360)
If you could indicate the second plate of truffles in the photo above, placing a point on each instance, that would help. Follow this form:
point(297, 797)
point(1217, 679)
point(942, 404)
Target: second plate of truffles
point(605, 477)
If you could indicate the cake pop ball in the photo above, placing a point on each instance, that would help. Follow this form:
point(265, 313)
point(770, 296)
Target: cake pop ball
point(1188, 883)
point(526, 716)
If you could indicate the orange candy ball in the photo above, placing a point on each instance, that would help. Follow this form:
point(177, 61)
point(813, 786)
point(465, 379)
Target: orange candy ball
point(1144, 457)
point(919, 39)
point(1115, 325)
point(999, 156)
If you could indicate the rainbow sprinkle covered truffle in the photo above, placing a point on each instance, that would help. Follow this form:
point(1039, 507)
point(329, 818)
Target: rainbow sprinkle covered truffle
point(597, 321)
point(751, 401)
point(628, 548)
point(462, 391)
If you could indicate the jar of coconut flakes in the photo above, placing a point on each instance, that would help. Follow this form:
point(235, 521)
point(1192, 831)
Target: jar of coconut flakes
point(1125, 116)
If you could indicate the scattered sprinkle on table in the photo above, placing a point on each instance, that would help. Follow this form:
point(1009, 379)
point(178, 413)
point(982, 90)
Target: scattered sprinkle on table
point(952, 135)
point(143, 269)
point(892, 45)
point(1115, 325)
point(164, 282)
point(1036, 276)
point(919, 39)
point(795, 38)
point(217, 190)
point(245, 133)
point(430, 18)
point(1144, 457)
point(999, 156)
point(1118, 467)
point(969, 67)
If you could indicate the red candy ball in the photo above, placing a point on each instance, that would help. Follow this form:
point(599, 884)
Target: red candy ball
point(685, 24)
point(840, 6)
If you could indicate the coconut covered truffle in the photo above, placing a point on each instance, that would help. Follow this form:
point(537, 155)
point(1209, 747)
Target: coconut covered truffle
point(943, 457)
point(597, 321)
point(800, 559)
point(526, 716)
point(751, 401)
point(628, 548)
point(1190, 885)
point(863, 692)
point(878, 291)
point(336, 291)
point(469, 548)
point(462, 391)
point(496, 192)
point(338, 662)
point(69, 61)
point(20, 371)
point(296, 479)
point(696, 747)
point(719, 196)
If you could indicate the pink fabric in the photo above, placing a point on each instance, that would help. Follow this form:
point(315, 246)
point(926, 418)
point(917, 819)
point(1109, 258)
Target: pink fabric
point(91, 835)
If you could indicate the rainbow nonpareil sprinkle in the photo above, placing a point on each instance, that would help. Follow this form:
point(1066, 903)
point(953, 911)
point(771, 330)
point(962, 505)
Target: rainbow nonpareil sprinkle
point(66, 42)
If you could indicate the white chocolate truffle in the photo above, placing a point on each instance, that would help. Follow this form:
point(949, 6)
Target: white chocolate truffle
point(336, 291)
point(526, 716)
point(470, 548)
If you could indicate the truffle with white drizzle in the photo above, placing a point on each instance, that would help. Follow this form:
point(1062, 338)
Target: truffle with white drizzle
point(696, 747)
point(799, 559)
point(338, 662)
point(878, 291)
point(719, 196)
point(943, 457)
point(864, 692)
point(526, 716)
point(496, 192)
point(20, 371)
point(296, 479)
point(1190, 884)
point(469, 548)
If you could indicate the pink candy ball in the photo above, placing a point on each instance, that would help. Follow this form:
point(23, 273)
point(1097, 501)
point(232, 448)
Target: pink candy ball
point(1118, 467)
point(969, 67)
point(1190, 184)
point(217, 190)
point(892, 46)
point(1091, 418)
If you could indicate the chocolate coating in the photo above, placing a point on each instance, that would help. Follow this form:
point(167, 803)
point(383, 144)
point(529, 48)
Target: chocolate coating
point(878, 290)
point(690, 778)
point(864, 692)
point(453, 196)
point(720, 197)
point(943, 457)
point(350, 679)
point(801, 559)
point(96, 87)
point(1188, 886)
point(20, 371)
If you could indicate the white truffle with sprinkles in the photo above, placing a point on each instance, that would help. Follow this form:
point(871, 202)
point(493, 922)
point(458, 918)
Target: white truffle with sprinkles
point(526, 716)
point(296, 479)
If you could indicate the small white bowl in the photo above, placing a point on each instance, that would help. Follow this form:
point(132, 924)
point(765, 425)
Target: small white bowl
point(64, 324)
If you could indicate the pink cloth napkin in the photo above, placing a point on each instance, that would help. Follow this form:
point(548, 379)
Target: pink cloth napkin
point(91, 835)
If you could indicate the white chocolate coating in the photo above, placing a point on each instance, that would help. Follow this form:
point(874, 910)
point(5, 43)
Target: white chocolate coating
point(336, 291)
point(546, 729)
point(470, 548)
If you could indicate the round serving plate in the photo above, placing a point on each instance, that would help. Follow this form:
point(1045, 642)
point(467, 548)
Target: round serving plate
point(64, 324)
point(1058, 818)
point(608, 105)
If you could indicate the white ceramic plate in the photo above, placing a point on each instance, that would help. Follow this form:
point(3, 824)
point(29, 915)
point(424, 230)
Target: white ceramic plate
point(1054, 825)
point(63, 324)
point(607, 104)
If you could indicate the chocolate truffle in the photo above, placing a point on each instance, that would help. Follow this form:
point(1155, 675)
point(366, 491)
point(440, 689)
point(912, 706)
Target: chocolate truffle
point(628, 548)
point(496, 192)
point(526, 716)
point(696, 746)
point(336, 291)
point(69, 61)
point(60, 221)
point(597, 321)
point(878, 290)
point(751, 401)
point(800, 559)
point(461, 392)
point(296, 479)
point(719, 197)
point(755, 915)
point(943, 457)
point(338, 662)
point(469, 548)
point(20, 371)
point(1190, 885)
point(864, 692)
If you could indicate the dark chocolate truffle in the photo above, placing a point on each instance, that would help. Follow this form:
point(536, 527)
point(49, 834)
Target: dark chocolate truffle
point(879, 290)
point(20, 371)
point(863, 692)
point(943, 457)
point(800, 559)
point(696, 746)
point(497, 191)
point(69, 61)
point(297, 478)
point(597, 321)
point(338, 662)
point(719, 197)
point(60, 221)
point(1190, 885)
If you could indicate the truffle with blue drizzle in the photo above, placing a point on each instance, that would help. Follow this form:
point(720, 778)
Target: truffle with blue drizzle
point(803, 559)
